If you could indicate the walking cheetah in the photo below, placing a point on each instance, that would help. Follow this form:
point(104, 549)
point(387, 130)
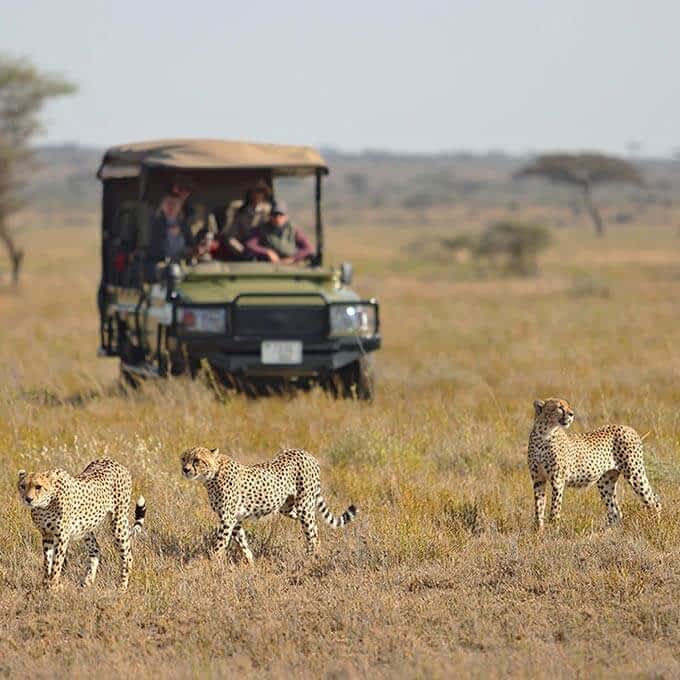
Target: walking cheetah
point(597, 457)
point(64, 507)
point(289, 484)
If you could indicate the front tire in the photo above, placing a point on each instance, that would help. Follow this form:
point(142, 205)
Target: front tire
point(356, 380)
point(129, 380)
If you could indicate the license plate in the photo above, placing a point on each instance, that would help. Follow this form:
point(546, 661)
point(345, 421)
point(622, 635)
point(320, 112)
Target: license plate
point(281, 352)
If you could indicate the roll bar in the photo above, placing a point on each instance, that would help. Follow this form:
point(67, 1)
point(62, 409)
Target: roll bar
point(319, 223)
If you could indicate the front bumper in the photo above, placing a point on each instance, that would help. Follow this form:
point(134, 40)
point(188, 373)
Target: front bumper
point(318, 358)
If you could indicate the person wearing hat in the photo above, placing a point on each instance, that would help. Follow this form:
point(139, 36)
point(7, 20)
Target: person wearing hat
point(277, 240)
point(171, 237)
point(254, 211)
point(181, 188)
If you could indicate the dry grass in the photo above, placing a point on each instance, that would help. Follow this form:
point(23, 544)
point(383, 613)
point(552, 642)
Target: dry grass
point(441, 574)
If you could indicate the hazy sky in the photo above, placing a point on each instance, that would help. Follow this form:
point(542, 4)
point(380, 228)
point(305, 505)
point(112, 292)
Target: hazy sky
point(482, 74)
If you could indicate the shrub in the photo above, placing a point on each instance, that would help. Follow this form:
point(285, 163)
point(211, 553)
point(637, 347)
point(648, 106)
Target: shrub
point(518, 242)
point(459, 242)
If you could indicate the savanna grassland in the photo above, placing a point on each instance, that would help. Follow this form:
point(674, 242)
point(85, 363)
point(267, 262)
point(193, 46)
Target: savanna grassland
point(441, 575)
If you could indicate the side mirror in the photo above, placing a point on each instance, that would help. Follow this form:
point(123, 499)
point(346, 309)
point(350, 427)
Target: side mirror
point(346, 272)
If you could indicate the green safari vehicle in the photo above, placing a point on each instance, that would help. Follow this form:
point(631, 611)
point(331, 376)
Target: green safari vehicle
point(261, 327)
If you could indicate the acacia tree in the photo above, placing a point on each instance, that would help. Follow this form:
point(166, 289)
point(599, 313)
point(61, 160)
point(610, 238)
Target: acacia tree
point(585, 171)
point(23, 93)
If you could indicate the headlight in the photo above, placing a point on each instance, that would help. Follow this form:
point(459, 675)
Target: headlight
point(354, 319)
point(202, 319)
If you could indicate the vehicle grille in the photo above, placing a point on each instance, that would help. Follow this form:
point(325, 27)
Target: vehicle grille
point(259, 321)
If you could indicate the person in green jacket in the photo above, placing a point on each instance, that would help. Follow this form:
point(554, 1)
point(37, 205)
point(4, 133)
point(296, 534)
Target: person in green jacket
point(278, 240)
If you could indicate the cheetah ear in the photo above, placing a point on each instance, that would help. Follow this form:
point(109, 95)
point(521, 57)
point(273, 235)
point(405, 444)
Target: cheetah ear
point(22, 474)
point(538, 406)
point(214, 451)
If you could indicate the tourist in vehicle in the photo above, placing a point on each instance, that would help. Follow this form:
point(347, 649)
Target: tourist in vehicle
point(181, 188)
point(278, 240)
point(171, 238)
point(201, 219)
point(205, 245)
point(255, 211)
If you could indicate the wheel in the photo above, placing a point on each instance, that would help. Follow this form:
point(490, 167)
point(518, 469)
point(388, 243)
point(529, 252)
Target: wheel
point(129, 379)
point(178, 364)
point(354, 381)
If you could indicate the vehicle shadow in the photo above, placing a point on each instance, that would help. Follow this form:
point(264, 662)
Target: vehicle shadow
point(43, 396)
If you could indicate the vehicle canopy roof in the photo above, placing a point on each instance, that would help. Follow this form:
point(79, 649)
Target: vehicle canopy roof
point(128, 160)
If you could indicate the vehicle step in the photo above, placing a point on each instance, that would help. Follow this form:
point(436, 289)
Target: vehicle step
point(142, 370)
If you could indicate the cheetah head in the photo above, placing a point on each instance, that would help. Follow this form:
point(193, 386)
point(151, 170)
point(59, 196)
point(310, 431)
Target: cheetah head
point(553, 412)
point(36, 488)
point(200, 463)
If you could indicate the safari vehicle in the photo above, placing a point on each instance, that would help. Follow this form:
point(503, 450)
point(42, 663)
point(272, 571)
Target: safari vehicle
point(259, 326)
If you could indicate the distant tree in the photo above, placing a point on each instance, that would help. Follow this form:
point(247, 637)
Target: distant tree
point(585, 171)
point(418, 201)
point(23, 93)
point(356, 182)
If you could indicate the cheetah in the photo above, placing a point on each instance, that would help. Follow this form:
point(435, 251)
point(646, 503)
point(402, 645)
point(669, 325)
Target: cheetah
point(596, 457)
point(289, 484)
point(64, 507)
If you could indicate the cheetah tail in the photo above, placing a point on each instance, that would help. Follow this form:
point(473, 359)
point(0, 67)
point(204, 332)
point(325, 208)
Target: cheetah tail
point(330, 518)
point(140, 514)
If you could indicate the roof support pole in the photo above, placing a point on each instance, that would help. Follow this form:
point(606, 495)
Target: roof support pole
point(142, 183)
point(319, 224)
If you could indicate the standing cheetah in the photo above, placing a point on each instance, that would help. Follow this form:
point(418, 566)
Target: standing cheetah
point(64, 507)
point(289, 484)
point(597, 457)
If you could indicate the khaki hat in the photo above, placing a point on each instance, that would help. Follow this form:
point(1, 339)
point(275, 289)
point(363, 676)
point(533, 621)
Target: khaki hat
point(262, 186)
point(280, 208)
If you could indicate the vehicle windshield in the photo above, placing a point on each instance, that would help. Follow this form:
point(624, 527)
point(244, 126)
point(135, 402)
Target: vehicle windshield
point(266, 222)
point(202, 217)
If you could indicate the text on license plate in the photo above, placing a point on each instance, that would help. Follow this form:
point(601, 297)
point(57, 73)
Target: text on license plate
point(281, 352)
